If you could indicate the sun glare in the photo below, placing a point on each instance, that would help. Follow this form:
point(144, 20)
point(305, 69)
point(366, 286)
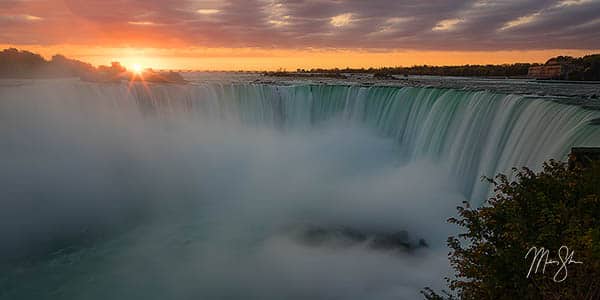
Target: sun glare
point(137, 68)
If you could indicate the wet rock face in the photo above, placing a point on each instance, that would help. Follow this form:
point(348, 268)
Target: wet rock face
point(343, 236)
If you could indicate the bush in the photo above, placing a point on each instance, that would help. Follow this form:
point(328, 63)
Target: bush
point(558, 206)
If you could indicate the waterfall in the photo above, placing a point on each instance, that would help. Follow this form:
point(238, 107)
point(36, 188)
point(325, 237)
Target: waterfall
point(170, 191)
point(472, 133)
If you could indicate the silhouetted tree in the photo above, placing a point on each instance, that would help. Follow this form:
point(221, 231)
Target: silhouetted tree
point(25, 64)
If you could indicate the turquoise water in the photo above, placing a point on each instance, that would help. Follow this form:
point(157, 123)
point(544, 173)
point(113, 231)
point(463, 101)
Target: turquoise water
point(474, 133)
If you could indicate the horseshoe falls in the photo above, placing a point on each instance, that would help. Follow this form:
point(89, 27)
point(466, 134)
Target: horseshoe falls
point(252, 191)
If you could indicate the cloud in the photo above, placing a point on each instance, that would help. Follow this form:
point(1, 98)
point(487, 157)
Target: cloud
point(143, 23)
point(208, 11)
point(376, 24)
point(20, 18)
point(520, 21)
point(573, 2)
point(341, 20)
point(448, 24)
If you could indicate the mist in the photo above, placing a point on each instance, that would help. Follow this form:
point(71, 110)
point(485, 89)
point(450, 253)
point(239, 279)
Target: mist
point(227, 191)
point(118, 203)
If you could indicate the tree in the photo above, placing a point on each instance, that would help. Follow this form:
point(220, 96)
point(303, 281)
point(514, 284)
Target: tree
point(559, 206)
point(15, 63)
point(25, 64)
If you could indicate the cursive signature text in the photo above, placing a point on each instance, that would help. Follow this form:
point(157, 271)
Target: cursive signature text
point(541, 259)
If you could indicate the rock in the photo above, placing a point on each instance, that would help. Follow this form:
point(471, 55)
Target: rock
point(344, 236)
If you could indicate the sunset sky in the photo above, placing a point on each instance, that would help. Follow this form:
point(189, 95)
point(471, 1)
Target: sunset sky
point(272, 34)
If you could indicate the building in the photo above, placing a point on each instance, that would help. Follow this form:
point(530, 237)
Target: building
point(553, 71)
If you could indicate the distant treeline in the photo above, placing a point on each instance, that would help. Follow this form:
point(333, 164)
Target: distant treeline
point(509, 70)
point(25, 64)
point(581, 68)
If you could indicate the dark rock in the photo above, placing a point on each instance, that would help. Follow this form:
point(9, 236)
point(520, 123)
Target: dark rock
point(583, 157)
point(343, 236)
point(396, 240)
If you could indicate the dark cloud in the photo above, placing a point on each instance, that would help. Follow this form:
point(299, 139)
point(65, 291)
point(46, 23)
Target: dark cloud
point(385, 24)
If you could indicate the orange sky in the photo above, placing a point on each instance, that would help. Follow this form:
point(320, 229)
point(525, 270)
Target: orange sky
point(274, 34)
point(253, 59)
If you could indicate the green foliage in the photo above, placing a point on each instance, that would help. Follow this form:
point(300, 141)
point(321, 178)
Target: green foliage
point(555, 207)
point(579, 68)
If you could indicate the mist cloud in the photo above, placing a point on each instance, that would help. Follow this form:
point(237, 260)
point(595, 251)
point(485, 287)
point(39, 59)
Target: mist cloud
point(198, 207)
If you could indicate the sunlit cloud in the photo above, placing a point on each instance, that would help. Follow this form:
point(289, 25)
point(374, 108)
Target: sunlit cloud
point(331, 24)
point(277, 14)
point(445, 25)
point(280, 22)
point(520, 21)
point(341, 20)
point(277, 22)
point(22, 18)
point(33, 18)
point(142, 23)
point(208, 11)
point(566, 3)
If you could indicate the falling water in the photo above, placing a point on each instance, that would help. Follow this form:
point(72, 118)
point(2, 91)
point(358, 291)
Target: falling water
point(182, 191)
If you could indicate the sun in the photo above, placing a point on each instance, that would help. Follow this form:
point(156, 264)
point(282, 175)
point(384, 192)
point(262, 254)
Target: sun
point(137, 68)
